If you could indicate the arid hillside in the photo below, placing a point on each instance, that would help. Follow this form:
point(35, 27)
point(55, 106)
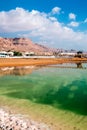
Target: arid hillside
point(23, 45)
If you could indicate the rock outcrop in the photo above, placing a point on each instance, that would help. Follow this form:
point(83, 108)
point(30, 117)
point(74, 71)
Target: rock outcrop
point(23, 45)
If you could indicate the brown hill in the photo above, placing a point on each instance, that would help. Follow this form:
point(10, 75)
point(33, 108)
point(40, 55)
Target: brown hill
point(23, 45)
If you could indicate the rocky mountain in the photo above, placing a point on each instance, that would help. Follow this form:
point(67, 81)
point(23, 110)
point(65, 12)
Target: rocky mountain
point(23, 45)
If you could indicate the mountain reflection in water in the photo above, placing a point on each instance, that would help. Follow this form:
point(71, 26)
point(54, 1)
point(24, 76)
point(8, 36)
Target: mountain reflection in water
point(16, 70)
point(28, 69)
point(78, 65)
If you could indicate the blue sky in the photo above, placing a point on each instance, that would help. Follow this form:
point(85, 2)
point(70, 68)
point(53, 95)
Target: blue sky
point(54, 23)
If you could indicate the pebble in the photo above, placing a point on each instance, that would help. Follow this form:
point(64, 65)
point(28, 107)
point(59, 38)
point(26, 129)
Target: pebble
point(9, 121)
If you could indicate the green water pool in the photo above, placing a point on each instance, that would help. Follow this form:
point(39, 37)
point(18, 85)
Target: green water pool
point(62, 89)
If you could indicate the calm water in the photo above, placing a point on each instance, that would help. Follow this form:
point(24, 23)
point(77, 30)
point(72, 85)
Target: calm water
point(62, 88)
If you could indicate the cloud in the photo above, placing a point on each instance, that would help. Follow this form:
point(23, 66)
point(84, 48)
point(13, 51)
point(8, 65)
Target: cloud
point(73, 24)
point(41, 27)
point(56, 10)
point(21, 20)
point(72, 16)
point(85, 21)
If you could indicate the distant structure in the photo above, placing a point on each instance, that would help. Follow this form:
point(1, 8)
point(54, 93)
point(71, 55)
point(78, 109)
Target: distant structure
point(67, 54)
point(29, 54)
point(6, 54)
point(3, 54)
point(79, 54)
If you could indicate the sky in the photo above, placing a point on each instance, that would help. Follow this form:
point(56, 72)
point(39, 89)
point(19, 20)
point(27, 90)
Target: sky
point(54, 23)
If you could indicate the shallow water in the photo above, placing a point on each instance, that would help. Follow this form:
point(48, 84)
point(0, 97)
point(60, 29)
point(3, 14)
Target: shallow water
point(62, 88)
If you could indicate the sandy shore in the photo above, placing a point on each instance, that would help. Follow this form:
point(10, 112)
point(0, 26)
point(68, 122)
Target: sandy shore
point(4, 62)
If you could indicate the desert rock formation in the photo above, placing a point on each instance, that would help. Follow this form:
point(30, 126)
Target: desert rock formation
point(23, 45)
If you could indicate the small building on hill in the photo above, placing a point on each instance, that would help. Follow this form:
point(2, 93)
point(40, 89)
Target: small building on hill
point(4, 54)
point(29, 54)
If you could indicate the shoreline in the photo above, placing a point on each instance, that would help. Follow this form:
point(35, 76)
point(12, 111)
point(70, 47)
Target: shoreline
point(54, 124)
point(9, 62)
point(11, 121)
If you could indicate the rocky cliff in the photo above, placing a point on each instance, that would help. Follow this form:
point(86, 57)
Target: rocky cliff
point(23, 45)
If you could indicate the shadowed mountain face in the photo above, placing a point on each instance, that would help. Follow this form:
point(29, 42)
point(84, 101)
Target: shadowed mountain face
point(22, 45)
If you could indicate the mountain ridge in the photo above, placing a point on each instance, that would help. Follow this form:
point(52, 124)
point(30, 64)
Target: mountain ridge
point(23, 45)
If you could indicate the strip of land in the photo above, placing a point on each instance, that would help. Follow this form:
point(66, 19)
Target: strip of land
point(5, 62)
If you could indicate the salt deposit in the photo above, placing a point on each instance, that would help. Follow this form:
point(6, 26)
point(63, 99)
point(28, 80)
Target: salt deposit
point(9, 121)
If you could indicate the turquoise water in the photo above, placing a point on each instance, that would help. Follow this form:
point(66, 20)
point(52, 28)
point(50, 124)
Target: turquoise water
point(62, 88)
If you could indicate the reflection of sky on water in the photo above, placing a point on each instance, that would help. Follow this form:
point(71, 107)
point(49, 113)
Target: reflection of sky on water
point(84, 65)
point(28, 69)
point(65, 65)
point(71, 65)
point(64, 89)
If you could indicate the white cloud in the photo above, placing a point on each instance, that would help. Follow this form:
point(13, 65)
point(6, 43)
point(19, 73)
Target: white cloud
point(74, 24)
point(72, 16)
point(21, 20)
point(85, 21)
point(41, 27)
point(56, 10)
